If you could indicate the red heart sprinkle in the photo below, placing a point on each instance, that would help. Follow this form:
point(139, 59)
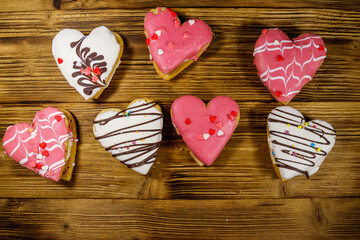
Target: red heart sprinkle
point(147, 41)
point(219, 125)
point(173, 14)
point(264, 31)
point(212, 118)
point(187, 121)
point(60, 61)
point(169, 9)
point(154, 37)
point(32, 164)
point(233, 113)
point(211, 131)
point(97, 71)
point(58, 118)
point(186, 35)
point(278, 93)
point(321, 48)
point(177, 23)
point(36, 150)
point(45, 153)
point(279, 58)
point(38, 165)
point(42, 145)
point(200, 137)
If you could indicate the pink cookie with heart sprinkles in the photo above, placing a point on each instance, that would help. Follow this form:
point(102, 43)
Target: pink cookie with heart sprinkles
point(205, 129)
point(172, 46)
point(47, 146)
point(285, 66)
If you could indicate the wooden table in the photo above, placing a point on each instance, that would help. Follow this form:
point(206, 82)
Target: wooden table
point(239, 196)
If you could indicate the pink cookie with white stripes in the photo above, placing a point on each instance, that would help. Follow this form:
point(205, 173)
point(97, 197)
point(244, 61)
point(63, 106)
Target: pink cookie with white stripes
point(205, 128)
point(173, 47)
point(285, 66)
point(47, 146)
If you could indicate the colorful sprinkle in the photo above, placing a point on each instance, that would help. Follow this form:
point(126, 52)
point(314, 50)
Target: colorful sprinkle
point(288, 124)
point(212, 118)
point(318, 149)
point(127, 148)
point(32, 164)
point(186, 35)
point(314, 126)
point(133, 142)
point(42, 145)
point(299, 127)
point(286, 132)
point(279, 58)
point(220, 133)
point(142, 140)
point(200, 137)
point(312, 144)
point(273, 153)
point(60, 61)
point(147, 41)
point(321, 48)
point(293, 145)
point(45, 153)
point(219, 125)
point(187, 121)
point(94, 79)
point(307, 124)
point(206, 136)
point(31, 129)
point(264, 31)
point(211, 131)
point(87, 70)
point(173, 14)
point(160, 52)
point(137, 131)
point(294, 154)
point(278, 93)
point(177, 23)
point(171, 45)
point(58, 118)
point(38, 165)
point(158, 32)
point(154, 37)
point(191, 22)
point(97, 71)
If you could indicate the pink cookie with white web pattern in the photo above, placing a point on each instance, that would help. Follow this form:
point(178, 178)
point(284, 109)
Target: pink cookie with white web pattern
point(285, 66)
point(47, 146)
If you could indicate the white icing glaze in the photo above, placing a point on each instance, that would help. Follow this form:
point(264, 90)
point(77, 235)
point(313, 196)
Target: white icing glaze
point(290, 145)
point(101, 40)
point(152, 124)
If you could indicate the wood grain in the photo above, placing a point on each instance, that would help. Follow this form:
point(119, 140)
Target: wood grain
point(239, 196)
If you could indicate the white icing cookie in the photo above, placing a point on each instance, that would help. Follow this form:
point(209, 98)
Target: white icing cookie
point(88, 62)
point(297, 147)
point(133, 135)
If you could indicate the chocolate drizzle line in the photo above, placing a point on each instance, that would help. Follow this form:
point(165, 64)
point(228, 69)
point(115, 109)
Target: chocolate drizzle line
point(301, 153)
point(92, 60)
point(141, 148)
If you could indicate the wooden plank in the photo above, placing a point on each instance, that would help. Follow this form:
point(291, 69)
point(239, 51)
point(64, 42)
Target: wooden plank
point(243, 170)
point(200, 219)
point(28, 69)
point(8, 5)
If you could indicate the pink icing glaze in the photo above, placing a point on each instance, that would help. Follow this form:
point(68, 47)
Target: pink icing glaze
point(23, 146)
point(178, 43)
point(193, 108)
point(285, 66)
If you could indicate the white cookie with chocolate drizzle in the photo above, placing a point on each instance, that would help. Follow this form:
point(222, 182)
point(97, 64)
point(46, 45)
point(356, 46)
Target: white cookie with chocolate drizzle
point(133, 135)
point(297, 147)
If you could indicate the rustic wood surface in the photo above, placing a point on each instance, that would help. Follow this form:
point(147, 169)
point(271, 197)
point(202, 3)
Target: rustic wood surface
point(239, 196)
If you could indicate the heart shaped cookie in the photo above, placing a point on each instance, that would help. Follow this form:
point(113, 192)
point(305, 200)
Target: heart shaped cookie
point(88, 62)
point(47, 146)
point(132, 135)
point(285, 66)
point(297, 147)
point(205, 129)
point(173, 47)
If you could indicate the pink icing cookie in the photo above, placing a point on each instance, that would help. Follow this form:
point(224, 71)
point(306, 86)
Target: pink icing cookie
point(173, 47)
point(46, 145)
point(205, 129)
point(285, 66)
